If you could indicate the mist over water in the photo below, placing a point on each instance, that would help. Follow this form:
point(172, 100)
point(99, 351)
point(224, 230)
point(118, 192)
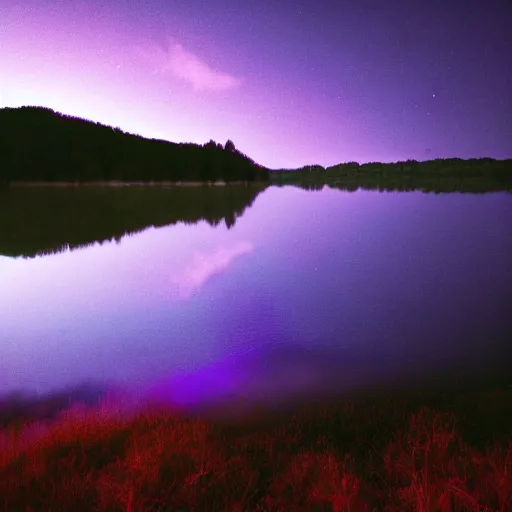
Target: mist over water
point(261, 296)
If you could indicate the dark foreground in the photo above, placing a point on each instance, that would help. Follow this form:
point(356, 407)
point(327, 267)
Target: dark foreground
point(442, 452)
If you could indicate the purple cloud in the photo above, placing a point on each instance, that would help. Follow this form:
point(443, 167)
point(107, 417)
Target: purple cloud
point(190, 68)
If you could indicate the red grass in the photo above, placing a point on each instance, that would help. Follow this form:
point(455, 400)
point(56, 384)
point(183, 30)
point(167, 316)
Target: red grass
point(341, 458)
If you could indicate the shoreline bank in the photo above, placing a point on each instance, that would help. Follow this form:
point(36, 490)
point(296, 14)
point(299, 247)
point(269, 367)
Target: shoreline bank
point(115, 184)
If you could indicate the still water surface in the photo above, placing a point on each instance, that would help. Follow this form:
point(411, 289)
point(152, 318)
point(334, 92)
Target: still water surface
point(306, 292)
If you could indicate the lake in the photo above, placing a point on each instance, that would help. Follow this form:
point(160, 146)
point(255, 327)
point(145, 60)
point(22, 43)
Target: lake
point(205, 294)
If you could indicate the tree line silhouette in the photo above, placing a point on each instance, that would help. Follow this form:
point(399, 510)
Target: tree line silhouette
point(46, 220)
point(38, 144)
point(439, 175)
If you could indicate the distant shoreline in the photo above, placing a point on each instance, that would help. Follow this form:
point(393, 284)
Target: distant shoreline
point(116, 184)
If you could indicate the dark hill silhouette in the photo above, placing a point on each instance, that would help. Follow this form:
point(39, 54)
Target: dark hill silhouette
point(46, 220)
point(38, 144)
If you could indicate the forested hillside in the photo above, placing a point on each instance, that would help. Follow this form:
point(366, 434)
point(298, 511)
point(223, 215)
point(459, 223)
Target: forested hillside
point(38, 144)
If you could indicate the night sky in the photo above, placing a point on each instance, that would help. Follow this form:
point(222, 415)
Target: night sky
point(291, 83)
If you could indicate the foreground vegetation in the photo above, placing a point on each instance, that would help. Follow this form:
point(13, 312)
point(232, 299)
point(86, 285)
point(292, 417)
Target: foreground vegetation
point(442, 453)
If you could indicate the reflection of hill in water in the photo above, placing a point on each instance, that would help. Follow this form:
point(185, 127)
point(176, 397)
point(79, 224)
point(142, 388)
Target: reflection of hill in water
point(45, 220)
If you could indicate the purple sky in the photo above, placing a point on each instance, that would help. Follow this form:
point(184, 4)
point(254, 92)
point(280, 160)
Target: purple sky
point(291, 83)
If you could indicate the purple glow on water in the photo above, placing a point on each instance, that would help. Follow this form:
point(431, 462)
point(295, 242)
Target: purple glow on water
point(308, 292)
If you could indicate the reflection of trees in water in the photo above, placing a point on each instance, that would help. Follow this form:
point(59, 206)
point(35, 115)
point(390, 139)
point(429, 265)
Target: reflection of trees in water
point(435, 186)
point(44, 220)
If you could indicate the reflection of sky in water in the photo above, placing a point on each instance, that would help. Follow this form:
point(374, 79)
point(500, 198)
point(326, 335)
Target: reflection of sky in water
point(309, 290)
